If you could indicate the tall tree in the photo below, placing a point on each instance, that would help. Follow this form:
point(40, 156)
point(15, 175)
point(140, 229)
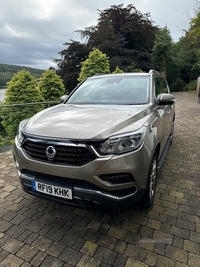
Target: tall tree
point(51, 86)
point(21, 90)
point(97, 62)
point(189, 51)
point(162, 50)
point(124, 34)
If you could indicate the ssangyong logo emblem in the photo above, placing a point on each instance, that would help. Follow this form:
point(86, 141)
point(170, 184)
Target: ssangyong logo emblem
point(50, 152)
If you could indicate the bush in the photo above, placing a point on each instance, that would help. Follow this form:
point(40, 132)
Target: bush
point(191, 86)
point(177, 86)
point(21, 90)
point(51, 86)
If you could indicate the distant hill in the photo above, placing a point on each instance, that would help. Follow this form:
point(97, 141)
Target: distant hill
point(7, 71)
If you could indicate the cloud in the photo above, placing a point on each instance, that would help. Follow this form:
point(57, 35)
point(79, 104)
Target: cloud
point(33, 32)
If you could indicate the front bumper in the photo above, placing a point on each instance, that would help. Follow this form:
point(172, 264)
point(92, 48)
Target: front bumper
point(84, 181)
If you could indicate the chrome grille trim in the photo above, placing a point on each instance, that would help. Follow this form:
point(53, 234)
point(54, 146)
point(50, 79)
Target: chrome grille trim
point(66, 153)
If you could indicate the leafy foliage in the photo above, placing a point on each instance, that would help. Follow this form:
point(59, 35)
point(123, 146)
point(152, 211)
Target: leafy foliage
point(21, 89)
point(117, 70)
point(69, 65)
point(51, 86)
point(162, 50)
point(124, 34)
point(188, 54)
point(97, 62)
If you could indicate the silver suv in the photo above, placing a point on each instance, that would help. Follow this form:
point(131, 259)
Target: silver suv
point(102, 145)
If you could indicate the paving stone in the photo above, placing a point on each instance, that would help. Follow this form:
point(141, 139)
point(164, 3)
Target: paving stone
point(132, 263)
point(194, 260)
point(107, 241)
point(27, 253)
point(55, 249)
point(165, 262)
point(38, 233)
point(4, 226)
point(120, 247)
point(151, 258)
point(191, 246)
point(89, 248)
point(11, 261)
point(12, 245)
point(154, 224)
point(88, 261)
point(129, 226)
point(78, 230)
point(180, 232)
point(94, 225)
point(105, 255)
point(120, 260)
point(117, 232)
point(78, 244)
point(42, 243)
point(137, 253)
point(51, 261)
point(176, 254)
point(70, 256)
point(39, 259)
point(92, 235)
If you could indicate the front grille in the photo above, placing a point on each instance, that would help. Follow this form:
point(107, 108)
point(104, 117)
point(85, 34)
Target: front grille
point(65, 154)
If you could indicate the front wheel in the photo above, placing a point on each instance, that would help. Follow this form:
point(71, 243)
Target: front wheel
point(149, 194)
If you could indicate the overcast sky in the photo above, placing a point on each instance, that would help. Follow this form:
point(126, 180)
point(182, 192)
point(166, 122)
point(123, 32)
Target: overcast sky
point(32, 32)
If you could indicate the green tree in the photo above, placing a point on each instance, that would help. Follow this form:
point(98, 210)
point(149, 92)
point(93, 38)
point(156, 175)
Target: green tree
point(97, 62)
point(189, 51)
point(51, 86)
point(21, 89)
point(162, 50)
point(124, 34)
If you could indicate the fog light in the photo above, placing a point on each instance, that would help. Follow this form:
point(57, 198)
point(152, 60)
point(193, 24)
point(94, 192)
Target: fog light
point(119, 178)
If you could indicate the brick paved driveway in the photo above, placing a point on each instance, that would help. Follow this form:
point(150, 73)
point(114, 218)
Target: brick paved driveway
point(35, 232)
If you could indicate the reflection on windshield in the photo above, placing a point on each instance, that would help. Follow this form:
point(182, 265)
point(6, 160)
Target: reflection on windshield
point(112, 90)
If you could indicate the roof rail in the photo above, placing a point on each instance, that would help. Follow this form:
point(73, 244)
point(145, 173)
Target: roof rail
point(154, 71)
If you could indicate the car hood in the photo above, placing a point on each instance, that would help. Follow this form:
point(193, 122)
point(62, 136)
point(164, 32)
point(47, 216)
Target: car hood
point(86, 121)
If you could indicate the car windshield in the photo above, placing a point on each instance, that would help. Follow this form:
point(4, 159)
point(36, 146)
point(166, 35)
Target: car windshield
point(124, 90)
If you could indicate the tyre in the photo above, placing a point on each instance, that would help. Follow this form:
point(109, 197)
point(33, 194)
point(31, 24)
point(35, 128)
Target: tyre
point(149, 194)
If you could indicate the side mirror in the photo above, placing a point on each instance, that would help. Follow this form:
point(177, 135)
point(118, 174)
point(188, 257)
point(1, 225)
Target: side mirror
point(63, 98)
point(165, 99)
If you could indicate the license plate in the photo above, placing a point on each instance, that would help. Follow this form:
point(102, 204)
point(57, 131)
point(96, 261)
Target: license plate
point(52, 190)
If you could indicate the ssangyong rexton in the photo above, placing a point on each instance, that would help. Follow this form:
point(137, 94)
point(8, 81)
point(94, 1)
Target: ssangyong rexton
point(102, 145)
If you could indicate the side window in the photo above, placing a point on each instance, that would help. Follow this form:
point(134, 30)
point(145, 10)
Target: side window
point(158, 87)
point(161, 86)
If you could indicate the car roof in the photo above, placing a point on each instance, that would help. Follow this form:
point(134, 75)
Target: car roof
point(120, 75)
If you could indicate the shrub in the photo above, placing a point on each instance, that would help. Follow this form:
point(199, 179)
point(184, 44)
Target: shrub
point(21, 89)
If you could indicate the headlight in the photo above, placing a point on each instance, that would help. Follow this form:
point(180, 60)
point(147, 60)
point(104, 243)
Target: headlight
point(123, 143)
point(20, 136)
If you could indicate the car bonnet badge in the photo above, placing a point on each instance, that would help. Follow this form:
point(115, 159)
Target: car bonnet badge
point(50, 152)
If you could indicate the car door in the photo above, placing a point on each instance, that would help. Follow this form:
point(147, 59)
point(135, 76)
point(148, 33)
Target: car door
point(165, 112)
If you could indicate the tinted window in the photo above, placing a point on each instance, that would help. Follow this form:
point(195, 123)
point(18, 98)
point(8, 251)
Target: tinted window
point(161, 86)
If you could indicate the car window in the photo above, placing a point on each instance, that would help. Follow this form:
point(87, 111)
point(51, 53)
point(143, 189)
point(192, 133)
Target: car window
point(161, 86)
point(112, 90)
